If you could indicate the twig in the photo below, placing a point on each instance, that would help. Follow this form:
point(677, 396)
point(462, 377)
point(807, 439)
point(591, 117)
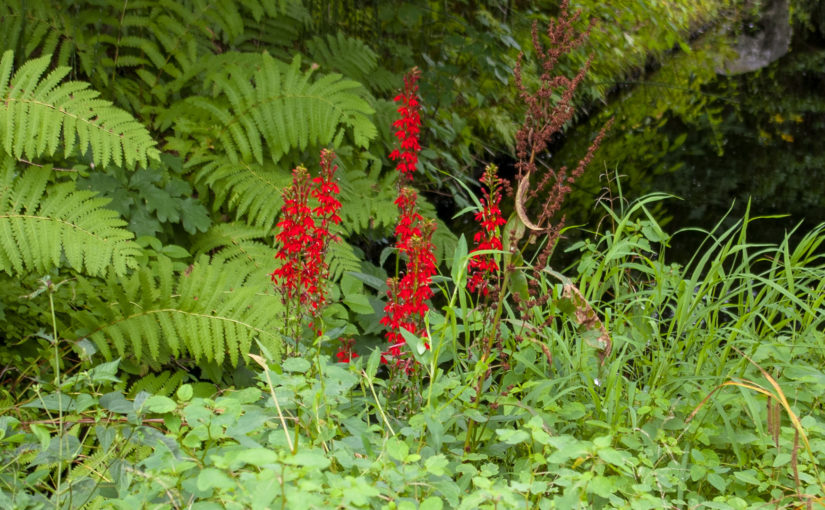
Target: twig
point(55, 168)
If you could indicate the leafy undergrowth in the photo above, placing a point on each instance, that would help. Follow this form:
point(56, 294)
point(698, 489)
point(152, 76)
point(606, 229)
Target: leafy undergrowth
point(710, 397)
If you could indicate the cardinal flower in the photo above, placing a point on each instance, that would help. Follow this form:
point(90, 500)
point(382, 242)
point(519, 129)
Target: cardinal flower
point(482, 268)
point(407, 128)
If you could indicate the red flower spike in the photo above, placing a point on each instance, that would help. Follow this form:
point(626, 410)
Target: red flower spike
point(407, 303)
point(408, 294)
point(304, 235)
point(408, 127)
point(483, 267)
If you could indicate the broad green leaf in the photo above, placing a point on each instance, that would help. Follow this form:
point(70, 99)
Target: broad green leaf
point(359, 303)
point(185, 392)
point(211, 478)
point(431, 503)
point(511, 436)
point(59, 450)
point(315, 459)
point(296, 365)
point(436, 464)
point(256, 456)
point(397, 449)
point(116, 403)
point(159, 404)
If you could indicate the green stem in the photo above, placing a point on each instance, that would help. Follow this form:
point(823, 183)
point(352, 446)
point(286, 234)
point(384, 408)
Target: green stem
point(59, 399)
point(377, 402)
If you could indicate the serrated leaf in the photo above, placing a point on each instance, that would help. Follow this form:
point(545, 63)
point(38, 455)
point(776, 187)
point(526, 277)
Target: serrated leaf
point(437, 464)
point(159, 404)
point(511, 436)
point(212, 478)
point(296, 365)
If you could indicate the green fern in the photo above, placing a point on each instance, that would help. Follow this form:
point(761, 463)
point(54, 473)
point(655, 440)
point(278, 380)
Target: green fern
point(210, 313)
point(352, 58)
point(367, 202)
point(98, 463)
point(160, 45)
point(277, 34)
point(32, 28)
point(37, 230)
point(342, 259)
point(281, 108)
point(34, 111)
point(164, 383)
point(346, 55)
point(239, 242)
point(249, 189)
point(242, 243)
point(444, 241)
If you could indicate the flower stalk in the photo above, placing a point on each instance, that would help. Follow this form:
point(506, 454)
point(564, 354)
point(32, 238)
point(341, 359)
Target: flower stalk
point(304, 233)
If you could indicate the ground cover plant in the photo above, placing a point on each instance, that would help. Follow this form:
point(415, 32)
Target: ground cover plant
point(224, 286)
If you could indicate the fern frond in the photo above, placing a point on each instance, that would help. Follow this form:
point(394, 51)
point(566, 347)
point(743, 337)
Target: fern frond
point(352, 58)
point(367, 202)
point(281, 109)
point(342, 259)
point(40, 224)
point(277, 34)
point(34, 28)
point(248, 189)
point(343, 54)
point(242, 243)
point(34, 110)
point(164, 383)
point(160, 46)
point(239, 242)
point(444, 240)
point(211, 313)
point(97, 464)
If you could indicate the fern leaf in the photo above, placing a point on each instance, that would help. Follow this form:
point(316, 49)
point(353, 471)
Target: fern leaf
point(367, 202)
point(342, 259)
point(41, 223)
point(33, 110)
point(285, 109)
point(249, 189)
point(164, 383)
point(444, 240)
point(345, 55)
point(241, 243)
point(214, 313)
point(97, 464)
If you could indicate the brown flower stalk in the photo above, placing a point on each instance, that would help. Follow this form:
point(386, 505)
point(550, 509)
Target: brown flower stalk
point(549, 109)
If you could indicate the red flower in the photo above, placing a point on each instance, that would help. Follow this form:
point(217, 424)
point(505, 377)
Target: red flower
point(295, 230)
point(482, 267)
point(407, 296)
point(304, 235)
point(345, 353)
point(409, 219)
point(408, 126)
